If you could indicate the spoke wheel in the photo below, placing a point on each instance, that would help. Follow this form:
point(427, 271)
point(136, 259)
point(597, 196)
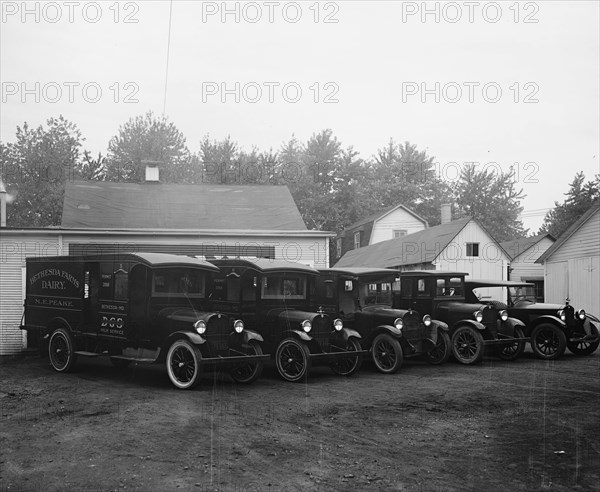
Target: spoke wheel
point(467, 345)
point(292, 360)
point(583, 348)
point(515, 349)
point(548, 341)
point(61, 350)
point(442, 350)
point(183, 364)
point(387, 354)
point(349, 365)
point(250, 371)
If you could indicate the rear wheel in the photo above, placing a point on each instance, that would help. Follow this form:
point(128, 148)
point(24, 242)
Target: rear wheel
point(61, 350)
point(350, 364)
point(292, 360)
point(583, 348)
point(442, 350)
point(250, 371)
point(183, 364)
point(548, 341)
point(467, 345)
point(515, 349)
point(387, 354)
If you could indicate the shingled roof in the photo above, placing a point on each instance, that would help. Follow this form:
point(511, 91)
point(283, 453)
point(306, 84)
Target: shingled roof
point(160, 206)
point(420, 247)
point(517, 247)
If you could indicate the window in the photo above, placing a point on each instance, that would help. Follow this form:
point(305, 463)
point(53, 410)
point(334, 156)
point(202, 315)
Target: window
point(120, 285)
point(396, 233)
point(472, 249)
point(280, 287)
point(452, 286)
point(178, 282)
point(357, 240)
point(338, 247)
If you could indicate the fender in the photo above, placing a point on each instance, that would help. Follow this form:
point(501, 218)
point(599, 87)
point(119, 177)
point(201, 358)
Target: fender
point(514, 322)
point(547, 318)
point(57, 323)
point(298, 334)
point(590, 327)
point(191, 337)
point(468, 322)
point(237, 339)
point(440, 325)
point(347, 333)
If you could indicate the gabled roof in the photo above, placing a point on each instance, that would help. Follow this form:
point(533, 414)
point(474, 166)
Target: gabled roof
point(517, 247)
point(569, 232)
point(160, 206)
point(382, 213)
point(420, 247)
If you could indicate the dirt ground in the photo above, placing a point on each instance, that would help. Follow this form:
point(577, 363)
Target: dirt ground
point(526, 425)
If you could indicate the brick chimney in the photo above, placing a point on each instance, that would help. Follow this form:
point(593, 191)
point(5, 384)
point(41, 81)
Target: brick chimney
point(152, 171)
point(446, 213)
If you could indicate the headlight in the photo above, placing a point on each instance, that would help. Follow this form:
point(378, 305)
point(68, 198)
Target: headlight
point(200, 326)
point(562, 315)
point(399, 323)
point(238, 326)
point(503, 315)
point(426, 320)
point(581, 314)
point(306, 325)
point(338, 324)
point(478, 315)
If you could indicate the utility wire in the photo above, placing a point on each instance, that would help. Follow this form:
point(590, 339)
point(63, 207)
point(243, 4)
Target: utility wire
point(168, 54)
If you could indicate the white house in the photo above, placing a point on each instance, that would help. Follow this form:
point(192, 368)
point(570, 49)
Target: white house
point(462, 245)
point(393, 222)
point(572, 264)
point(524, 253)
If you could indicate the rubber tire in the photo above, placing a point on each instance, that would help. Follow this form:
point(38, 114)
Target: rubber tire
point(192, 356)
point(249, 372)
point(471, 336)
point(559, 341)
point(443, 349)
point(589, 347)
point(389, 349)
point(517, 347)
point(61, 340)
point(340, 367)
point(300, 356)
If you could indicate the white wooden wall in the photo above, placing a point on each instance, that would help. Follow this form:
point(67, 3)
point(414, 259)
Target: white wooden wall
point(524, 266)
point(383, 229)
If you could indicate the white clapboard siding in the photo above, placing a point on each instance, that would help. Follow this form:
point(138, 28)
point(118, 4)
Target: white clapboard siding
point(524, 266)
point(399, 219)
point(492, 261)
point(584, 243)
point(13, 252)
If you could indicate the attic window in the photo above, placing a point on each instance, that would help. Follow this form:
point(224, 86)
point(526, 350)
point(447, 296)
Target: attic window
point(472, 249)
point(399, 233)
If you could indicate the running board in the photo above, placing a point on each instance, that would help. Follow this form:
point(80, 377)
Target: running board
point(86, 354)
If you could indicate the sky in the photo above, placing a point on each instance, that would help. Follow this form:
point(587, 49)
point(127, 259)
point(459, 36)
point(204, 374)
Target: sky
point(500, 84)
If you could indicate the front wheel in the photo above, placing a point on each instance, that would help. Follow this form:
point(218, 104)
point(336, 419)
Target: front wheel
point(514, 350)
point(387, 354)
point(249, 371)
point(61, 350)
point(583, 347)
point(548, 341)
point(292, 360)
point(442, 350)
point(467, 345)
point(183, 364)
point(350, 364)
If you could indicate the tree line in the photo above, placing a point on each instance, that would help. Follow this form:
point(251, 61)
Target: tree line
point(331, 184)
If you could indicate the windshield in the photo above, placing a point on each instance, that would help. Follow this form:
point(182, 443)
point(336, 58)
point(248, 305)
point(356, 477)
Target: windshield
point(283, 287)
point(524, 293)
point(376, 293)
point(178, 282)
point(449, 286)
